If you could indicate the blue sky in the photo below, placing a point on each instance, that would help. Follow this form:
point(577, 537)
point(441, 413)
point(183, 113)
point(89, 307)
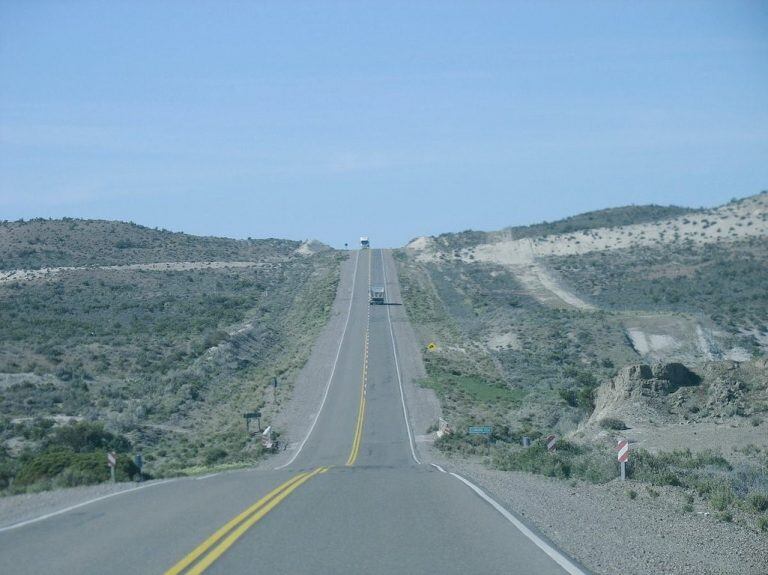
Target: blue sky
point(331, 119)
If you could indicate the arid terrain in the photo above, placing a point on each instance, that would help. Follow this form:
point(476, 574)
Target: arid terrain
point(115, 335)
point(646, 324)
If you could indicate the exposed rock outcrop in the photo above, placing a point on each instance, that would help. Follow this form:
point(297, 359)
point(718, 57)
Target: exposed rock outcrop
point(638, 392)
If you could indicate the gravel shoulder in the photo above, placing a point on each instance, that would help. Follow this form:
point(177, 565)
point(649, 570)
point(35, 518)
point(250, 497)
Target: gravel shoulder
point(608, 532)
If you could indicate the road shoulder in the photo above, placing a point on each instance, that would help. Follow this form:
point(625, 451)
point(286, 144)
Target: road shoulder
point(609, 532)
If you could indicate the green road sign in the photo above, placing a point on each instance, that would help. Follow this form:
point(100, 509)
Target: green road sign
point(480, 430)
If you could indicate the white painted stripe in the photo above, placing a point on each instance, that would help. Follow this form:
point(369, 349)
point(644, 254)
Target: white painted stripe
point(436, 466)
point(397, 369)
point(333, 369)
point(553, 553)
point(79, 505)
point(207, 476)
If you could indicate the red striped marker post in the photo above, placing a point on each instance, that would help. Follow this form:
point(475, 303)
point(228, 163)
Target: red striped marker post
point(623, 448)
point(551, 442)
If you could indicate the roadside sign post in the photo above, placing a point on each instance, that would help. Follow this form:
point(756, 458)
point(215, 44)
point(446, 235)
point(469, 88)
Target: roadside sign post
point(623, 447)
point(485, 430)
point(551, 443)
point(526, 441)
point(248, 417)
point(112, 462)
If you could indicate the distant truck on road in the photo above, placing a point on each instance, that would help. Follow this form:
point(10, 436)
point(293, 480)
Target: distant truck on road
point(364, 243)
point(377, 295)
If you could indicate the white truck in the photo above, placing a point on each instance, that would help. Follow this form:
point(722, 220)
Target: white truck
point(377, 295)
point(364, 243)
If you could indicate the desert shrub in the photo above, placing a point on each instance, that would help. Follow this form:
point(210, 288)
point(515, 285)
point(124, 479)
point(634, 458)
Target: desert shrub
point(568, 461)
point(612, 423)
point(214, 455)
point(85, 436)
point(758, 501)
point(569, 396)
point(73, 468)
point(721, 499)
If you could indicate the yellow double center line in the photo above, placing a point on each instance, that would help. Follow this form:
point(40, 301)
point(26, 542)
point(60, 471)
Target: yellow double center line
point(213, 547)
point(361, 409)
point(205, 554)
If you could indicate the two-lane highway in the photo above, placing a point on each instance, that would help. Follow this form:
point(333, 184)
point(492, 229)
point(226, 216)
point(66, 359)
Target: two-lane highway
point(351, 496)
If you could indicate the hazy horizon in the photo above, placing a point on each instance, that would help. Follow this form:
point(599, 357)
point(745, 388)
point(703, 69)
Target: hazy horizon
point(353, 241)
point(332, 120)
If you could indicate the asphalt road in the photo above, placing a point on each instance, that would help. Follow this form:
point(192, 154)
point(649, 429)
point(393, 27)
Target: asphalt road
point(351, 497)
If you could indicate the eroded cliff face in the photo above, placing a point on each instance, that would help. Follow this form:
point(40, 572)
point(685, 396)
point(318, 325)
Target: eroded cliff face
point(643, 394)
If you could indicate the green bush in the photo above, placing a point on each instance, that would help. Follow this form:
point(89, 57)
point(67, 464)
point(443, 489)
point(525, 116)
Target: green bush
point(568, 461)
point(613, 423)
point(85, 436)
point(72, 468)
point(721, 499)
point(758, 501)
point(214, 455)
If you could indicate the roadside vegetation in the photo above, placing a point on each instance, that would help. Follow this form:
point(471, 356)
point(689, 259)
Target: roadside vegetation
point(165, 362)
point(505, 359)
point(544, 374)
point(68, 242)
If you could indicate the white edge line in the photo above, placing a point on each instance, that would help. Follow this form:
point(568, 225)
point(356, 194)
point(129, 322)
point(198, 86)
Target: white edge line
point(553, 553)
point(333, 369)
point(82, 504)
point(207, 476)
point(397, 368)
point(436, 466)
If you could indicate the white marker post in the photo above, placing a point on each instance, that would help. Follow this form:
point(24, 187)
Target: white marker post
point(112, 461)
point(623, 448)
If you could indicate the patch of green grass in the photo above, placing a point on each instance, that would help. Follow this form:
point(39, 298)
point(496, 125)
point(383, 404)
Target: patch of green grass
point(474, 387)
